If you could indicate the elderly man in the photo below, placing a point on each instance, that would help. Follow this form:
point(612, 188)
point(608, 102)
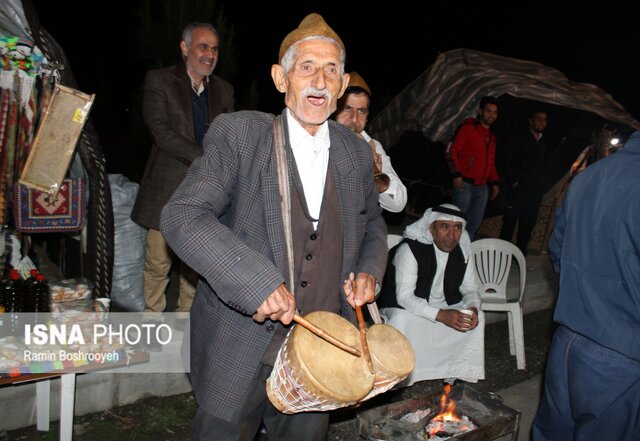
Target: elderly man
point(435, 300)
point(353, 111)
point(275, 204)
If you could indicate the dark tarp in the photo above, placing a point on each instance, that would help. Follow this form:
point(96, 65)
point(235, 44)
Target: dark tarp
point(449, 91)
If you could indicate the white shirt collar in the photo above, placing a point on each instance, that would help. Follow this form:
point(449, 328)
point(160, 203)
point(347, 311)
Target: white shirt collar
point(311, 154)
point(199, 90)
point(298, 135)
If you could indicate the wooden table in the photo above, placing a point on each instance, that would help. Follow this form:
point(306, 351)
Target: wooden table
point(67, 390)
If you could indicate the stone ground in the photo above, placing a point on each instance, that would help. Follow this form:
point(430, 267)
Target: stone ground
point(168, 419)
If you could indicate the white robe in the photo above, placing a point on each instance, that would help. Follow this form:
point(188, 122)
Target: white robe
point(441, 352)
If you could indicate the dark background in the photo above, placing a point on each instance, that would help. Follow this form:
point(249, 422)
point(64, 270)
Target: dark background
point(112, 44)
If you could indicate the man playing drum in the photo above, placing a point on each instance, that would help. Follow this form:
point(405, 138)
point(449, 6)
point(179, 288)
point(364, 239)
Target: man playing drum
point(242, 227)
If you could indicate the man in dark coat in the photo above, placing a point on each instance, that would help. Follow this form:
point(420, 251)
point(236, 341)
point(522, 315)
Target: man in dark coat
point(521, 165)
point(179, 104)
point(246, 232)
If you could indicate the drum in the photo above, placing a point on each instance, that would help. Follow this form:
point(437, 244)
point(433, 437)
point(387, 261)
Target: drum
point(311, 374)
point(392, 355)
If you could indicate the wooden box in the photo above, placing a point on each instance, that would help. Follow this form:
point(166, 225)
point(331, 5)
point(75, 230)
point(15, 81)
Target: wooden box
point(56, 139)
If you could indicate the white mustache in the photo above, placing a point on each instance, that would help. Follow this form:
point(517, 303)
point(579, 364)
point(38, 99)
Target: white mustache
point(310, 90)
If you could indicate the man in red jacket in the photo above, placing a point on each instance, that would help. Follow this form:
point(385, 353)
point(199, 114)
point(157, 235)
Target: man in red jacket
point(471, 157)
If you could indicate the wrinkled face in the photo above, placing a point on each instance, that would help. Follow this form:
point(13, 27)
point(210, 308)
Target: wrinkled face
point(201, 55)
point(446, 234)
point(314, 83)
point(488, 114)
point(538, 122)
point(355, 112)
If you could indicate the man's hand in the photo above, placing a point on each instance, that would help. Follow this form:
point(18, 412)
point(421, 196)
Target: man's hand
point(457, 183)
point(457, 320)
point(280, 305)
point(365, 291)
point(377, 161)
point(494, 191)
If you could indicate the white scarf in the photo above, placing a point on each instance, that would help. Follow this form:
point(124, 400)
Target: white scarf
point(419, 230)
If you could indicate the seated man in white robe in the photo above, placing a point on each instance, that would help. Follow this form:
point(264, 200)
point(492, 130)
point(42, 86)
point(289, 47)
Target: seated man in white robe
point(436, 303)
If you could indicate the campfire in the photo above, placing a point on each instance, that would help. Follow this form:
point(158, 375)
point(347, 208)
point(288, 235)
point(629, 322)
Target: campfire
point(447, 423)
point(410, 420)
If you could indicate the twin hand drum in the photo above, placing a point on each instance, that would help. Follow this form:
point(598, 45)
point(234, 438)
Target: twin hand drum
point(311, 374)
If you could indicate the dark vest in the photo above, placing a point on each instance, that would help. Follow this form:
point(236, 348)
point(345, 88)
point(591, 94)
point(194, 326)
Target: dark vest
point(317, 256)
point(200, 107)
point(425, 255)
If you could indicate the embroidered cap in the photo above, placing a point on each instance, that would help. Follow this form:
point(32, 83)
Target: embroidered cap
point(355, 80)
point(311, 25)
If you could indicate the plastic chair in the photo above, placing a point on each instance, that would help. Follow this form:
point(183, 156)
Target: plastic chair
point(492, 259)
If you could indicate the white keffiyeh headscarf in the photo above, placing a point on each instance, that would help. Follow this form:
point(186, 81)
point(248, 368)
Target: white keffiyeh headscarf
point(419, 230)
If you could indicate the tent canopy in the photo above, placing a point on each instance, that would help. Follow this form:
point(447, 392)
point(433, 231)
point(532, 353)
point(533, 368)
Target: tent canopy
point(450, 90)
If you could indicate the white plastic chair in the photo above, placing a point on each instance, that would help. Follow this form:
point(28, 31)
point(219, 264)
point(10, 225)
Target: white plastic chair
point(492, 259)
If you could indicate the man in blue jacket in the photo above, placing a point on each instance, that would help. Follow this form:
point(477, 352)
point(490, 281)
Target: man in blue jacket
point(592, 379)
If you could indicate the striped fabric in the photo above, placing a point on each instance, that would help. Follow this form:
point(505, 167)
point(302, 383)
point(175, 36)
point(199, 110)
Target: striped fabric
point(449, 91)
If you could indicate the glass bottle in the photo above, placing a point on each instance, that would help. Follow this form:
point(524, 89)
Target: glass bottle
point(28, 289)
point(41, 297)
point(12, 292)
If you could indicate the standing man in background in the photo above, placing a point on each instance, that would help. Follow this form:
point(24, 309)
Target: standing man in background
point(179, 103)
point(521, 165)
point(353, 111)
point(471, 158)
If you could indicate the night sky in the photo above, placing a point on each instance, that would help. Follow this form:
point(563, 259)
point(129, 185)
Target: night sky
point(390, 46)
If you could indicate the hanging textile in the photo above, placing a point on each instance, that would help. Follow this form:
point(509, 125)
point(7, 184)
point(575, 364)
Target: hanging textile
point(8, 150)
point(25, 85)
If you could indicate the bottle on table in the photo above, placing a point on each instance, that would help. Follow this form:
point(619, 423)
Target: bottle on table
point(13, 302)
point(12, 292)
point(28, 289)
point(41, 294)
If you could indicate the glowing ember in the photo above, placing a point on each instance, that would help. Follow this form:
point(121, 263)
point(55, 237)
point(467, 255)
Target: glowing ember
point(416, 416)
point(442, 430)
point(447, 423)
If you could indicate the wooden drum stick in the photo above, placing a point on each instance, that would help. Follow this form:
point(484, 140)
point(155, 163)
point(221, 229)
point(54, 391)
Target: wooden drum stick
point(325, 336)
point(363, 335)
